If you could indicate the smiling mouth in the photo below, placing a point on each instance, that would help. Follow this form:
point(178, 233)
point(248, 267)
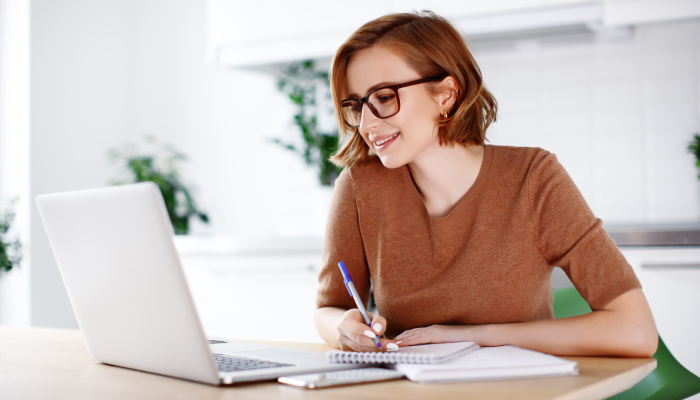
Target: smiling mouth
point(381, 142)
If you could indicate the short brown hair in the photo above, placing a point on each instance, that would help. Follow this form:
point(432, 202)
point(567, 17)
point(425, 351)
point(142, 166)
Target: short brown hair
point(431, 46)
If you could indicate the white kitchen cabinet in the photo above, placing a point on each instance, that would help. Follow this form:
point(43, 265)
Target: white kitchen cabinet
point(253, 289)
point(263, 33)
point(478, 7)
point(670, 278)
point(632, 12)
point(257, 302)
point(247, 34)
point(244, 33)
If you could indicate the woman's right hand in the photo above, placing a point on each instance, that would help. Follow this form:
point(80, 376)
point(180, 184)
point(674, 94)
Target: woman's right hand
point(355, 335)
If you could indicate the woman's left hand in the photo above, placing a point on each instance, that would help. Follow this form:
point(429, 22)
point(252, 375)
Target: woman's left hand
point(438, 334)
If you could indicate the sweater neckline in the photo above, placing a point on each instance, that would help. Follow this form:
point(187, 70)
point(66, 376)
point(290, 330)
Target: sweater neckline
point(468, 197)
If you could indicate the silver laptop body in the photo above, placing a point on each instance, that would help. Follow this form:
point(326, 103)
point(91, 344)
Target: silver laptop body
point(116, 256)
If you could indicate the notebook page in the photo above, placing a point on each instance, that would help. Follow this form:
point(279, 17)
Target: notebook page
point(439, 349)
point(492, 362)
point(501, 357)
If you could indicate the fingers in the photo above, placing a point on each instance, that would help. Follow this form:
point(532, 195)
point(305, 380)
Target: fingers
point(435, 334)
point(378, 324)
point(417, 336)
point(389, 345)
point(354, 334)
point(412, 341)
point(408, 333)
point(407, 340)
point(359, 340)
point(347, 343)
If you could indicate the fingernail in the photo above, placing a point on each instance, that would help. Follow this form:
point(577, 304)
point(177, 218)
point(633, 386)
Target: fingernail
point(377, 327)
point(392, 347)
point(399, 341)
point(370, 334)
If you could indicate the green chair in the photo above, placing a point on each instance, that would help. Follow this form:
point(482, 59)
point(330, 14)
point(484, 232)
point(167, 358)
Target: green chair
point(670, 380)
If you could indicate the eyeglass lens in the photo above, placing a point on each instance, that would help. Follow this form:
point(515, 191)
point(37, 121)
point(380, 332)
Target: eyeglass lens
point(382, 102)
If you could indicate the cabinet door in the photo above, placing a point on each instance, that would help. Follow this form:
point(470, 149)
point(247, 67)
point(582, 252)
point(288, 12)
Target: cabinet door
point(631, 12)
point(478, 7)
point(237, 21)
point(254, 33)
point(255, 297)
point(670, 279)
point(251, 34)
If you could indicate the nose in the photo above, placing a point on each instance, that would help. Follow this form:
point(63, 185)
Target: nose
point(368, 120)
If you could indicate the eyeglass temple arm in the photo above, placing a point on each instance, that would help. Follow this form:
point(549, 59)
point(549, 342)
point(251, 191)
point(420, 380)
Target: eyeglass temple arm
point(424, 80)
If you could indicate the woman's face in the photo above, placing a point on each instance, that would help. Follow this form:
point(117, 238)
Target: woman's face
point(414, 128)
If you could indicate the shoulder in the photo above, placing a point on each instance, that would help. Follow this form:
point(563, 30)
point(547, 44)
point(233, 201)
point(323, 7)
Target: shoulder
point(541, 173)
point(515, 155)
point(521, 162)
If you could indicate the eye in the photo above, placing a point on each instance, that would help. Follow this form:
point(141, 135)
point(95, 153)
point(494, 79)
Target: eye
point(386, 98)
point(382, 96)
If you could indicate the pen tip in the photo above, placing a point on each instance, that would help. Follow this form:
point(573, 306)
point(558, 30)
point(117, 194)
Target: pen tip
point(379, 345)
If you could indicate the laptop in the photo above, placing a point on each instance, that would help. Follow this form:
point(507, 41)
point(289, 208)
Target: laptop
point(117, 259)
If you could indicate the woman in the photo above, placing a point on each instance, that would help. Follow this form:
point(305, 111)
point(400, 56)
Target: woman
point(459, 239)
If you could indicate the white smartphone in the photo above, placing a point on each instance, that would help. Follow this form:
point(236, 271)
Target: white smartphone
point(340, 378)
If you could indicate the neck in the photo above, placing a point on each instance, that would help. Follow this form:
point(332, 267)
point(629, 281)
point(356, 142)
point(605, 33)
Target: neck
point(444, 174)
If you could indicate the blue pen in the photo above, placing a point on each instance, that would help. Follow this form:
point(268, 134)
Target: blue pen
point(353, 293)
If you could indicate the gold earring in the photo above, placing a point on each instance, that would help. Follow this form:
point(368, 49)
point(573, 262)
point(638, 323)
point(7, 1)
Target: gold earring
point(444, 114)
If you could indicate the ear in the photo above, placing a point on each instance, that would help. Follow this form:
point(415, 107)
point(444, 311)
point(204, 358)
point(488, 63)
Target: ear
point(447, 92)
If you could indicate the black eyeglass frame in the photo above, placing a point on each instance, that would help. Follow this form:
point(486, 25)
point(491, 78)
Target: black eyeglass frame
point(395, 88)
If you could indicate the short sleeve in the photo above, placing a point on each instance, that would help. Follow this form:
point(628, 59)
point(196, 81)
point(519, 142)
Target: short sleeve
point(569, 236)
point(343, 242)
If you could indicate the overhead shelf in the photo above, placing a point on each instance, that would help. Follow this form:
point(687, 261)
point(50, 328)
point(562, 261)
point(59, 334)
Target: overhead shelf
point(282, 43)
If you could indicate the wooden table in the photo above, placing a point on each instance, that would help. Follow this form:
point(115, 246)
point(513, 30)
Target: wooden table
point(38, 363)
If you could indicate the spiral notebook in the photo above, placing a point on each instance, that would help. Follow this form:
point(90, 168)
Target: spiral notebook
point(421, 354)
point(504, 362)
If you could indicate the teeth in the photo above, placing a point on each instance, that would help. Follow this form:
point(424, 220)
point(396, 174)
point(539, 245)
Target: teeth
point(381, 142)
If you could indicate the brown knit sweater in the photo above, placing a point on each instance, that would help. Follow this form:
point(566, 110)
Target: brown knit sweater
point(488, 261)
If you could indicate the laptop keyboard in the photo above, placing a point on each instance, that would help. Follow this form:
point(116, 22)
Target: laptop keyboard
point(230, 364)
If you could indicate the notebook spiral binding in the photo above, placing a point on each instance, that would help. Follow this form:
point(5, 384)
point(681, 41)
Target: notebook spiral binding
point(349, 357)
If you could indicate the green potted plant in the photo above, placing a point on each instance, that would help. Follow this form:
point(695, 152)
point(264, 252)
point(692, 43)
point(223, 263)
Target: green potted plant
point(160, 167)
point(694, 148)
point(301, 82)
point(10, 247)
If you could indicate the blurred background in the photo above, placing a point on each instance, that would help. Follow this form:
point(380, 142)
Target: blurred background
point(611, 86)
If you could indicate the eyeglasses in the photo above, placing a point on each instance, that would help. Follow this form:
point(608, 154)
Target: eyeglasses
point(383, 102)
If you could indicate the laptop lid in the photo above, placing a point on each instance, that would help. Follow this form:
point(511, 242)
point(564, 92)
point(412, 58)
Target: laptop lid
point(115, 252)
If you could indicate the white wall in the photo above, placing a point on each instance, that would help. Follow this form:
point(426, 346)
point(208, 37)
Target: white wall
point(80, 91)
point(223, 119)
point(619, 114)
point(14, 151)
point(105, 72)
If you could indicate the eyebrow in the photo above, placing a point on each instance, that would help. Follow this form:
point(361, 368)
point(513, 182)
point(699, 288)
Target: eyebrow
point(371, 88)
